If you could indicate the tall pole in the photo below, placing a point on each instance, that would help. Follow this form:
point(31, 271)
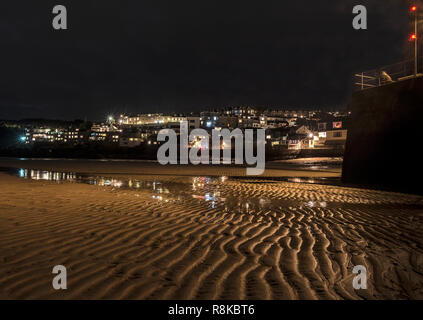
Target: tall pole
point(414, 10)
point(415, 43)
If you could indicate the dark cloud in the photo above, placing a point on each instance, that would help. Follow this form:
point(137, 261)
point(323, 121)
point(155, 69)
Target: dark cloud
point(167, 55)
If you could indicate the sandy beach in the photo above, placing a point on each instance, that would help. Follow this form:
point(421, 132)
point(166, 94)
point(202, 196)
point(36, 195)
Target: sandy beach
point(132, 233)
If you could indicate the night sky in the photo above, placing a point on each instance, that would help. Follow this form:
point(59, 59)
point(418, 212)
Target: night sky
point(189, 55)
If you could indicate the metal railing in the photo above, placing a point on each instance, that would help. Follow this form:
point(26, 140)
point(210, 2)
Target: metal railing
point(387, 74)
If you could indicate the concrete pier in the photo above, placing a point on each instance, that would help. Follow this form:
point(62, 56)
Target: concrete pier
point(384, 147)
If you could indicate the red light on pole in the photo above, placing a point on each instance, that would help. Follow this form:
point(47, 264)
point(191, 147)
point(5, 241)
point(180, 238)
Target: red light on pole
point(413, 37)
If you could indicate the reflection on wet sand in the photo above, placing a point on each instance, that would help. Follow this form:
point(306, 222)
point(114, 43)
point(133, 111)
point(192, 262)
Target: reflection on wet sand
point(205, 189)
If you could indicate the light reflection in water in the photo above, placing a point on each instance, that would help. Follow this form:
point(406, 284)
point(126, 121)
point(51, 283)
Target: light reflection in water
point(305, 180)
point(46, 175)
point(204, 189)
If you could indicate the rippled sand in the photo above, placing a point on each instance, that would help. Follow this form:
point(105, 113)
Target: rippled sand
point(201, 238)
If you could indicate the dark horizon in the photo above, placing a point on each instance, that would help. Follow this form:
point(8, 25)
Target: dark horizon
point(162, 56)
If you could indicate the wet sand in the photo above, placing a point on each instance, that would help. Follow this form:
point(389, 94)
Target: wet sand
point(136, 168)
point(190, 237)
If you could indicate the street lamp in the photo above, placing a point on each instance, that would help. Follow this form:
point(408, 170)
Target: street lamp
point(414, 37)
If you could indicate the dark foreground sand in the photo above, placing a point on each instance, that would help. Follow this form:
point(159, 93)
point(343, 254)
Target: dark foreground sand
point(256, 239)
